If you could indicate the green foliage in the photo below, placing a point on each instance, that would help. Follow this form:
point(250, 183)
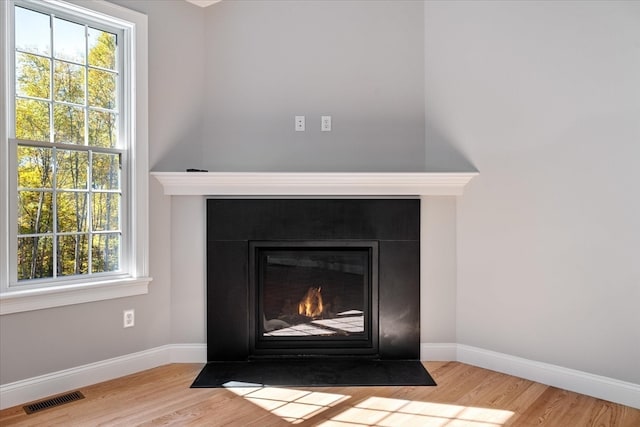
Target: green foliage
point(69, 200)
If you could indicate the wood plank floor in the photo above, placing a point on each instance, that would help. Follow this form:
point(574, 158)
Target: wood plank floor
point(465, 396)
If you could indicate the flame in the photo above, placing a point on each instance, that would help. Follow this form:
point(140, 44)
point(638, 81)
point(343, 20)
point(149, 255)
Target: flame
point(311, 304)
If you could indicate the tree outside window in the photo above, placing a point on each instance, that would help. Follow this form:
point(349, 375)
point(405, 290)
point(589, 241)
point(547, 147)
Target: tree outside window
point(69, 153)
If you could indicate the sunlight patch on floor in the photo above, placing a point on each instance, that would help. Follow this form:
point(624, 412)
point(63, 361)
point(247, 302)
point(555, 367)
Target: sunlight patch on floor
point(297, 406)
point(386, 412)
point(294, 406)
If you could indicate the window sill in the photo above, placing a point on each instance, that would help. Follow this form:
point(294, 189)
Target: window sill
point(37, 299)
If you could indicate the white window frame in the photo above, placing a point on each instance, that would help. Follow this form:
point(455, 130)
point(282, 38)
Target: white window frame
point(135, 278)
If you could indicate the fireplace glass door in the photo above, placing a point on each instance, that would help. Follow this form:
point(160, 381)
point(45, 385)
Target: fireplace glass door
point(314, 297)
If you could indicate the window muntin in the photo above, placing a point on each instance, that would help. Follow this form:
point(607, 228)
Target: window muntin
point(69, 147)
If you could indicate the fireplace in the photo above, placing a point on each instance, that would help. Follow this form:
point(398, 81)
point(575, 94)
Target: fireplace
point(313, 277)
point(313, 297)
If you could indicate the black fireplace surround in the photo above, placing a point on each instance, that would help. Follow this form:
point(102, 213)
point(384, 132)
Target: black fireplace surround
point(362, 256)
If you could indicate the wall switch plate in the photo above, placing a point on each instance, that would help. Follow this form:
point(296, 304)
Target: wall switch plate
point(325, 123)
point(299, 124)
point(129, 318)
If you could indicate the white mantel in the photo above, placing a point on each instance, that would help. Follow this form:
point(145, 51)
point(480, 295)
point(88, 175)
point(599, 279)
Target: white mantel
point(314, 183)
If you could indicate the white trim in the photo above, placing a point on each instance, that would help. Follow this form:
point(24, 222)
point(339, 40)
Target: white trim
point(313, 184)
point(24, 391)
point(4, 146)
point(438, 352)
point(58, 296)
point(610, 389)
point(188, 353)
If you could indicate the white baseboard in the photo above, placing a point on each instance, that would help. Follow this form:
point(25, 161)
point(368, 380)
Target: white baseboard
point(24, 391)
point(610, 389)
point(188, 353)
point(438, 352)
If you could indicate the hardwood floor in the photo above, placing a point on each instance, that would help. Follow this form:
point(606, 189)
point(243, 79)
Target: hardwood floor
point(465, 396)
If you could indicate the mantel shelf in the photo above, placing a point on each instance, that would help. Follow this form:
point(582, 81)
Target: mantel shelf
point(313, 183)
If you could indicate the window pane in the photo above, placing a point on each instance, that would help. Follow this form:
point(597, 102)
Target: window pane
point(32, 31)
point(106, 172)
point(106, 212)
point(73, 169)
point(73, 255)
point(71, 210)
point(102, 89)
point(32, 120)
point(34, 167)
point(32, 76)
point(68, 82)
point(102, 49)
point(103, 129)
point(35, 212)
point(105, 253)
point(35, 257)
point(68, 124)
point(68, 41)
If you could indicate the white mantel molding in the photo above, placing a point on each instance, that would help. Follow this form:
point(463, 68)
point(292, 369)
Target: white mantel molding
point(313, 183)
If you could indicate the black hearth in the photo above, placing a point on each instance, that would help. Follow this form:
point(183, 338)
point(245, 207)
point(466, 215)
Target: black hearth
point(313, 277)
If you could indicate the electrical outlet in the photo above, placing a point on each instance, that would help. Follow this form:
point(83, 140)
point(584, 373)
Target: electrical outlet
point(299, 123)
point(129, 318)
point(325, 123)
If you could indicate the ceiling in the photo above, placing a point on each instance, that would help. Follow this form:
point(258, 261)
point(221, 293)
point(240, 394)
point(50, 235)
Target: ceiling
point(203, 3)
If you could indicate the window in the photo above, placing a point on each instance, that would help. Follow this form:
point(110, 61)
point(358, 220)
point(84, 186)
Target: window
point(69, 153)
point(75, 154)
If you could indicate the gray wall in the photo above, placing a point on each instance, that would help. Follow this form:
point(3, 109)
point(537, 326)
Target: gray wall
point(360, 62)
point(438, 270)
point(544, 98)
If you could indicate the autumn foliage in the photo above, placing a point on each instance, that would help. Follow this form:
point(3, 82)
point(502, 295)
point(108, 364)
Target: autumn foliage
point(69, 154)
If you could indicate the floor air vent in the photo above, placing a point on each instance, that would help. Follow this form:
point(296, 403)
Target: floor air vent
point(52, 402)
